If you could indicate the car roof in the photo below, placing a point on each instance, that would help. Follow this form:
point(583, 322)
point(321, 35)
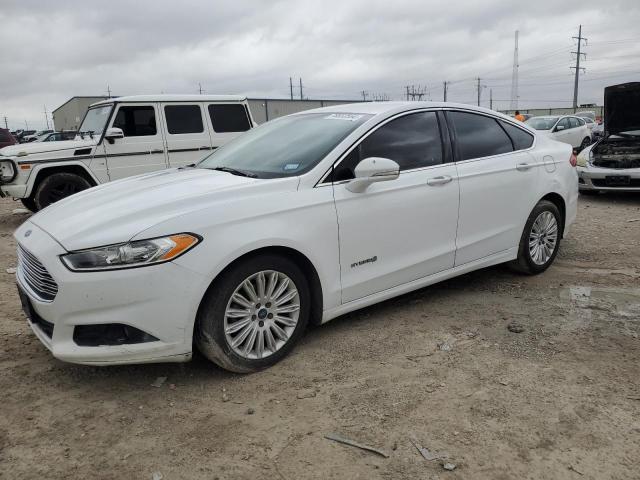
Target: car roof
point(173, 98)
point(379, 108)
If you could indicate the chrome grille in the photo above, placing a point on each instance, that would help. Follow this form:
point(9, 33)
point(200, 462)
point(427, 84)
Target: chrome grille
point(36, 276)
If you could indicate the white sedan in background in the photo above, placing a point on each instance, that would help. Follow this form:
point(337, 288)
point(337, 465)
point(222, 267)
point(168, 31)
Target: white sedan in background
point(296, 222)
point(566, 129)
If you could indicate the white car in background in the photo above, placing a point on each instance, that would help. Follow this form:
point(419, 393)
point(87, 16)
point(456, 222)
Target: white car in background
point(295, 222)
point(566, 129)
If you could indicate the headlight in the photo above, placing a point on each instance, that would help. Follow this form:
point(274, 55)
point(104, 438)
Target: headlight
point(7, 170)
point(131, 254)
point(583, 158)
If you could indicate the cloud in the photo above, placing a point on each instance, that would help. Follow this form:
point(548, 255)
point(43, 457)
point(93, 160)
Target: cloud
point(54, 50)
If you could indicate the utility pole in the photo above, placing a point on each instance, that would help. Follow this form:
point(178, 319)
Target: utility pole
point(108, 92)
point(479, 89)
point(46, 118)
point(514, 77)
point(580, 38)
point(301, 97)
point(291, 87)
point(407, 87)
point(445, 90)
point(364, 95)
point(6, 124)
point(26, 125)
point(200, 88)
point(491, 99)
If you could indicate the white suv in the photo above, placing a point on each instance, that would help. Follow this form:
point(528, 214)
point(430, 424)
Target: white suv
point(566, 129)
point(298, 221)
point(119, 138)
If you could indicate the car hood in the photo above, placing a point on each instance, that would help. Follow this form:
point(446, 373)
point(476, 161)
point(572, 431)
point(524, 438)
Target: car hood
point(622, 108)
point(45, 147)
point(115, 212)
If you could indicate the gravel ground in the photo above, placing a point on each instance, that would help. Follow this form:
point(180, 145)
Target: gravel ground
point(559, 400)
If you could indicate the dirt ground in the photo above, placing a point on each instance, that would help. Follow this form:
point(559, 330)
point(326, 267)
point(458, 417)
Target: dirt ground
point(559, 400)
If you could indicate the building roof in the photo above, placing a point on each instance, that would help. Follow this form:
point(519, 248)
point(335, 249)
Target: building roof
point(376, 108)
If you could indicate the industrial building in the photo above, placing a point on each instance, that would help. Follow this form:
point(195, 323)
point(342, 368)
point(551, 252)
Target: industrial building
point(69, 115)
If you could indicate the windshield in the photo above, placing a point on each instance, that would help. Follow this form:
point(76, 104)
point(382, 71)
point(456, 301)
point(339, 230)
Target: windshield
point(542, 123)
point(95, 120)
point(285, 147)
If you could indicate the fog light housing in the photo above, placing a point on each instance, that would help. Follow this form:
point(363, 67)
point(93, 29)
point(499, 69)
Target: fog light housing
point(109, 334)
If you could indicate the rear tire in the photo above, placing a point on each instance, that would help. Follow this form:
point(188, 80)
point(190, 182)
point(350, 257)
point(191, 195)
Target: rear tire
point(540, 239)
point(29, 204)
point(248, 336)
point(58, 186)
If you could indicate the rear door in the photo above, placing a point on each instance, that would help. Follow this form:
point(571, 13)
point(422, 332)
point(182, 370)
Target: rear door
point(187, 133)
point(142, 148)
point(498, 183)
point(563, 134)
point(227, 121)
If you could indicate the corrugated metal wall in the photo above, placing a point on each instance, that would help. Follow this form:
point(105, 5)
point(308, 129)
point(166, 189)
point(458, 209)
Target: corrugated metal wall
point(265, 109)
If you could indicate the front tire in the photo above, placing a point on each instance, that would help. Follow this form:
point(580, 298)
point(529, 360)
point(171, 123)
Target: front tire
point(58, 186)
point(29, 204)
point(540, 239)
point(253, 314)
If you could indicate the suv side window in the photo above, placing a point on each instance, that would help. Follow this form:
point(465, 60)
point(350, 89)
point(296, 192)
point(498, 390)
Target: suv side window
point(412, 141)
point(183, 119)
point(479, 136)
point(564, 122)
point(136, 121)
point(519, 137)
point(573, 122)
point(229, 118)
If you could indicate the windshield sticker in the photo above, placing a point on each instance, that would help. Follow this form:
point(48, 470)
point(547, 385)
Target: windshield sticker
point(350, 117)
point(291, 166)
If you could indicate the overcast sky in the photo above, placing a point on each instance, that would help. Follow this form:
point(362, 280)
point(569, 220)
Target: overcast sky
point(53, 50)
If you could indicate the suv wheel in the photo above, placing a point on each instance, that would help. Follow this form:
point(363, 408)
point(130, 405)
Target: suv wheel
point(29, 204)
point(540, 239)
point(58, 186)
point(253, 315)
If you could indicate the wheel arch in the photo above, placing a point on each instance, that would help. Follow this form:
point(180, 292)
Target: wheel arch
point(300, 259)
point(44, 171)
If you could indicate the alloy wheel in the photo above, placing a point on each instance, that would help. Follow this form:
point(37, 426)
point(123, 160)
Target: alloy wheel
point(543, 238)
point(261, 314)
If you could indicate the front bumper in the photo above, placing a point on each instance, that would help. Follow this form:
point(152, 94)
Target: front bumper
point(160, 300)
point(595, 178)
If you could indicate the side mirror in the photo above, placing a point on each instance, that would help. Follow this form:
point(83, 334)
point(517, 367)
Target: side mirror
point(559, 127)
point(372, 170)
point(113, 133)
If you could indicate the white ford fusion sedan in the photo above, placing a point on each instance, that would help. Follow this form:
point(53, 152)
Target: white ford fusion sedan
point(296, 222)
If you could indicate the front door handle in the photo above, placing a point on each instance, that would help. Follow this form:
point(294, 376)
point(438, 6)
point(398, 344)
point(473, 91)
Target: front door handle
point(523, 167)
point(157, 151)
point(439, 180)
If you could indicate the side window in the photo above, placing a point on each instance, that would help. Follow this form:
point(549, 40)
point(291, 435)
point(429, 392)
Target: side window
point(573, 122)
point(479, 136)
point(183, 119)
point(412, 141)
point(136, 121)
point(519, 137)
point(229, 118)
point(564, 122)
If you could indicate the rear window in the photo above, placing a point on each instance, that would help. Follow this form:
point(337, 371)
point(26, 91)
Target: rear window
point(519, 137)
point(183, 119)
point(229, 118)
point(479, 136)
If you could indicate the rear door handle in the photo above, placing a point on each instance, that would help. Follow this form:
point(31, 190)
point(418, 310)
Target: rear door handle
point(157, 151)
point(523, 167)
point(439, 180)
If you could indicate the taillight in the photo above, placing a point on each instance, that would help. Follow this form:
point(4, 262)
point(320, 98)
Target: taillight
point(573, 160)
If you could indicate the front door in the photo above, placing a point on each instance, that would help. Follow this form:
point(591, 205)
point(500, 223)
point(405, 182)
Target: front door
point(401, 230)
point(497, 178)
point(142, 148)
point(187, 134)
